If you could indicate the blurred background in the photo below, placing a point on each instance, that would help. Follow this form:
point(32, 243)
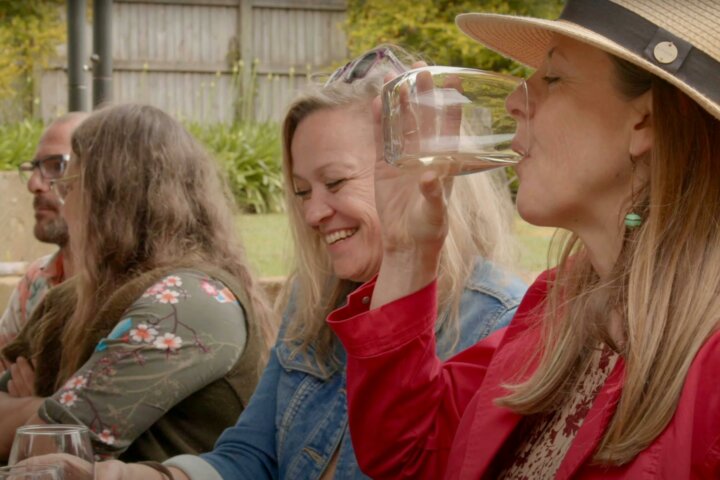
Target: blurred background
point(227, 69)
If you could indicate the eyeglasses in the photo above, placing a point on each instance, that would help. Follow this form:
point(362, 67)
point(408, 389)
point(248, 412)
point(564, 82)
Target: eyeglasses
point(63, 186)
point(361, 66)
point(52, 166)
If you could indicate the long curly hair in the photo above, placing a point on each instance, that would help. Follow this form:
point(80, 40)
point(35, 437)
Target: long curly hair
point(150, 197)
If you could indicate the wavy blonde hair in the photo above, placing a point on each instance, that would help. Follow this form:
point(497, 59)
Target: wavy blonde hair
point(481, 217)
point(151, 197)
point(665, 285)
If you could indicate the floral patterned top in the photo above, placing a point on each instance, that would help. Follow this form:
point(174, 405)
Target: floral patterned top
point(548, 438)
point(41, 275)
point(182, 334)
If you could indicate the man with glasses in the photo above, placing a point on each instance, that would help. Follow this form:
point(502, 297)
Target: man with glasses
point(51, 157)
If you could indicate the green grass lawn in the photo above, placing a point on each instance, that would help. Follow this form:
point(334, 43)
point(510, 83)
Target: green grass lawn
point(533, 243)
point(267, 240)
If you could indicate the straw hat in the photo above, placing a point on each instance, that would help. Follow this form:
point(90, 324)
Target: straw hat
point(677, 40)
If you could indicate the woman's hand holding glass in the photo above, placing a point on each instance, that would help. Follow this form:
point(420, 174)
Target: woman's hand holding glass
point(31, 472)
point(51, 444)
point(411, 204)
point(435, 123)
point(71, 467)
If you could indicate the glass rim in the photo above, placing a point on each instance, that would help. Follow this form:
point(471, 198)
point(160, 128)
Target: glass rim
point(438, 69)
point(51, 429)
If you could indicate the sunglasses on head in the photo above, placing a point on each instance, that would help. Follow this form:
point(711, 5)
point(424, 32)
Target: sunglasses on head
point(361, 66)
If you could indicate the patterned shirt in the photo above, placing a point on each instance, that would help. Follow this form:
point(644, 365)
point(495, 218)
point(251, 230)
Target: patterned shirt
point(549, 437)
point(43, 274)
point(182, 334)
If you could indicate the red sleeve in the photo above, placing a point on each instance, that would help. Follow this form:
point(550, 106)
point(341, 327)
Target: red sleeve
point(404, 404)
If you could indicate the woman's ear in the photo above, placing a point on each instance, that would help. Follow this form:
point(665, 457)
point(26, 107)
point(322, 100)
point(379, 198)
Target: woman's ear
point(641, 137)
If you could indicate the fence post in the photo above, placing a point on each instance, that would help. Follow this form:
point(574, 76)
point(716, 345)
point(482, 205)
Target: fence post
point(77, 89)
point(102, 52)
point(245, 34)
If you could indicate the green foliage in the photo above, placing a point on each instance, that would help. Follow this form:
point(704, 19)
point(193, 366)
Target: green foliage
point(427, 27)
point(29, 32)
point(17, 142)
point(248, 153)
point(250, 156)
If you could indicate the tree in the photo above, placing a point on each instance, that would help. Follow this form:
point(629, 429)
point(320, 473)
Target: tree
point(427, 27)
point(30, 30)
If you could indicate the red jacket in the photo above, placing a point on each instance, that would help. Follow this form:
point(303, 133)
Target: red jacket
point(412, 416)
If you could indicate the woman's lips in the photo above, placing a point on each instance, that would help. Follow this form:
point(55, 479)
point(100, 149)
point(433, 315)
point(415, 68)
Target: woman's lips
point(338, 235)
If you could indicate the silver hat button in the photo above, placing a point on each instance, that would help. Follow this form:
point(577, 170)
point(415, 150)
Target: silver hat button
point(665, 52)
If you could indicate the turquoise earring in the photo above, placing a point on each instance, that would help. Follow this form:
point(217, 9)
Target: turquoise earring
point(633, 220)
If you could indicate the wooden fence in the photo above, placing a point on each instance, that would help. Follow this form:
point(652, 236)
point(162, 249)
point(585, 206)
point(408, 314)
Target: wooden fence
point(198, 59)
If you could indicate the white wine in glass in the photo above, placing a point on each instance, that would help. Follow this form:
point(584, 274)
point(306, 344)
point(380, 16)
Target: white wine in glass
point(453, 119)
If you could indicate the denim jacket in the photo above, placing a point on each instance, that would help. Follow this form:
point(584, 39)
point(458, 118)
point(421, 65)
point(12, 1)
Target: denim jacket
point(298, 416)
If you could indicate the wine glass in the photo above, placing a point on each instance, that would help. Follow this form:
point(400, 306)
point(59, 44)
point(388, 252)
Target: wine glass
point(30, 472)
point(67, 440)
point(452, 118)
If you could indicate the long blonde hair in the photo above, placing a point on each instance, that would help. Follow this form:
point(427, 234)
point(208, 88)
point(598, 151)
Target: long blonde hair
point(665, 285)
point(151, 197)
point(481, 216)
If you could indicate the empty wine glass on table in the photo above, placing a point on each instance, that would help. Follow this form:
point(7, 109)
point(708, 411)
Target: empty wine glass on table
point(454, 119)
point(31, 472)
point(67, 446)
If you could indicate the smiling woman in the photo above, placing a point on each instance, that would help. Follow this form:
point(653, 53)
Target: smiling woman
point(333, 178)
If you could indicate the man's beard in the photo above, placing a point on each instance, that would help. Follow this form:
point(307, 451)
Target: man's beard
point(52, 231)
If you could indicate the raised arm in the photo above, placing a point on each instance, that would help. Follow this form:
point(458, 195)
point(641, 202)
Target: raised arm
point(404, 404)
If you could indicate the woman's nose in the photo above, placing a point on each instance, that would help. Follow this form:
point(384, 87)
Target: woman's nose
point(518, 103)
point(316, 209)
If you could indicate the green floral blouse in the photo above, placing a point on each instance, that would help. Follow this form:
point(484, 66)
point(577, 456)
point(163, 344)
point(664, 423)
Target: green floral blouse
point(183, 333)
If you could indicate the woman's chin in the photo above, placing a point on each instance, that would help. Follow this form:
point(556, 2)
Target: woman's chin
point(532, 212)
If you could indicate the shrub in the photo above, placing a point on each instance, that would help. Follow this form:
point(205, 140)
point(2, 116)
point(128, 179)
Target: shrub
point(250, 156)
point(248, 153)
point(18, 141)
point(30, 31)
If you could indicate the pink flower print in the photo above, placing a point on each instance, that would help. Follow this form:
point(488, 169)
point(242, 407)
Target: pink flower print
point(209, 288)
point(143, 333)
point(168, 296)
point(225, 296)
point(68, 398)
point(154, 290)
point(168, 342)
point(106, 436)
point(76, 382)
point(172, 281)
